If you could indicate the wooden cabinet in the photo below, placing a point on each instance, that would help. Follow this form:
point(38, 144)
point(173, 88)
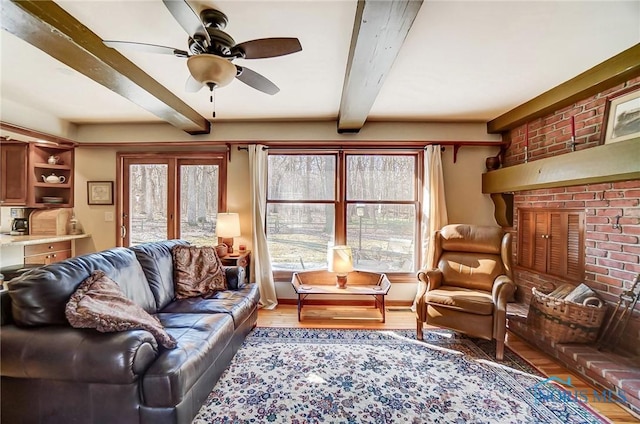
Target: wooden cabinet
point(13, 180)
point(47, 253)
point(50, 194)
point(552, 242)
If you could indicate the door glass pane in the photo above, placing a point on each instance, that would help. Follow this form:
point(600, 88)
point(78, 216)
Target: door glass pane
point(298, 235)
point(148, 200)
point(382, 237)
point(199, 204)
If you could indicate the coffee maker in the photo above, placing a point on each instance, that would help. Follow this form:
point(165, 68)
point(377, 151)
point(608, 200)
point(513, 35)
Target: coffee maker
point(19, 222)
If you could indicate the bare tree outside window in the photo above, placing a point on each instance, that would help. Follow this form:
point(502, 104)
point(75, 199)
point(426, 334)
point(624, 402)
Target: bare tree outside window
point(197, 206)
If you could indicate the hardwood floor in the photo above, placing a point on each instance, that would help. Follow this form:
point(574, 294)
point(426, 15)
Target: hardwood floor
point(402, 318)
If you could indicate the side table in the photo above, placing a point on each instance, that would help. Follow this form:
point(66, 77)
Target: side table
point(238, 258)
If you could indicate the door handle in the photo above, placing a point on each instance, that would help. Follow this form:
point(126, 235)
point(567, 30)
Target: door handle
point(123, 231)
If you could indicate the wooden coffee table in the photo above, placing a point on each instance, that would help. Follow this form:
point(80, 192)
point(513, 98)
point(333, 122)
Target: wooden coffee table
point(359, 283)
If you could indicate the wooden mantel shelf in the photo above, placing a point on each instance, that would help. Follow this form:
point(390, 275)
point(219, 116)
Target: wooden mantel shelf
point(607, 163)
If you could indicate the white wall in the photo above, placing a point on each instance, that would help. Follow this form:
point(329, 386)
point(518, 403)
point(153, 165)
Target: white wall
point(33, 119)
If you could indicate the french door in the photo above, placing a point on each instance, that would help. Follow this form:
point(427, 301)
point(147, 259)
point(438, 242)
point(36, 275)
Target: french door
point(167, 196)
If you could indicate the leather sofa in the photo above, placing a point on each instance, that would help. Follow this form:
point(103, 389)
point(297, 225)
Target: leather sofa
point(54, 373)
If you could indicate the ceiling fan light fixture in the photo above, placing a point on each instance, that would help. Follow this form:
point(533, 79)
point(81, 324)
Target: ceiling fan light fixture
point(211, 69)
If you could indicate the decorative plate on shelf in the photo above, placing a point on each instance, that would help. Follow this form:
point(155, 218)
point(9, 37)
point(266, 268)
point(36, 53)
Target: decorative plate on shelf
point(52, 199)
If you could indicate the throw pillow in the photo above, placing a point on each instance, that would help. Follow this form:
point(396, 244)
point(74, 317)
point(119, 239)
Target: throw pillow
point(100, 303)
point(197, 271)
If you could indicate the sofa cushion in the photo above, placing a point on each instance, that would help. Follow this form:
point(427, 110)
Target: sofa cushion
point(99, 303)
point(201, 338)
point(157, 263)
point(198, 271)
point(238, 303)
point(40, 295)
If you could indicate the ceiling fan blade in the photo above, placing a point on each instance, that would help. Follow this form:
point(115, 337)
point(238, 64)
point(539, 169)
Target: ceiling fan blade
point(188, 19)
point(257, 81)
point(146, 48)
point(192, 86)
point(267, 47)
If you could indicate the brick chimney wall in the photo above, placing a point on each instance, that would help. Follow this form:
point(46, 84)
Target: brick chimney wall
point(612, 256)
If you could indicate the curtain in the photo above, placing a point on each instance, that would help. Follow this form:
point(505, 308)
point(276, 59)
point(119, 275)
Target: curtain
point(261, 260)
point(434, 206)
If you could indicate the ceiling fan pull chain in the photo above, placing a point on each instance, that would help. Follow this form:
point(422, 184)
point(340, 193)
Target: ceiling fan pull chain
point(212, 99)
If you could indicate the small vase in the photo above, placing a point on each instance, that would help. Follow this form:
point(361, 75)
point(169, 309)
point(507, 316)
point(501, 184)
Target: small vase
point(492, 163)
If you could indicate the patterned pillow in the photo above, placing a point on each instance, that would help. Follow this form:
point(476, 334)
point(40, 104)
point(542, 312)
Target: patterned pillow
point(197, 271)
point(100, 303)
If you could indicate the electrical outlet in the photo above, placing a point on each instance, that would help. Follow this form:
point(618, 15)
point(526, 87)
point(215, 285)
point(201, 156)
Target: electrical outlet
point(108, 216)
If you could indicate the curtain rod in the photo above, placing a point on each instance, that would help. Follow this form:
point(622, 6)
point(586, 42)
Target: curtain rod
point(456, 146)
point(442, 148)
point(414, 145)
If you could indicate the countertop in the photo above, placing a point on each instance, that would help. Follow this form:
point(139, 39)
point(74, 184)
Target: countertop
point(7, 240)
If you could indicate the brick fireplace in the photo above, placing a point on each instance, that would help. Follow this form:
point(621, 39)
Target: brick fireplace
point(602, 183)
point(612, 239)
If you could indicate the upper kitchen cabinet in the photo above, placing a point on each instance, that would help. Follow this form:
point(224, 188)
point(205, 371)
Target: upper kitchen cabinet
point(13, 178)
point(37, 169)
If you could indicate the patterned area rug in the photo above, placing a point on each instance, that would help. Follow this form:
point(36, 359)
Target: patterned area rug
point(284, 375)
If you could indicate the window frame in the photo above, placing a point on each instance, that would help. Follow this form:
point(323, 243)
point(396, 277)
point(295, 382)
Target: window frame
point(341, 203)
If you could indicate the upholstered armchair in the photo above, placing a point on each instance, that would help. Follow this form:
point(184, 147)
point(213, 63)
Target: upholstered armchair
point(468, 283)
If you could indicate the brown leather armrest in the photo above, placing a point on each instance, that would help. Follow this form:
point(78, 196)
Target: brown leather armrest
point(428, 279)
point(82, 355)
point(503, 290)
point(432, 278)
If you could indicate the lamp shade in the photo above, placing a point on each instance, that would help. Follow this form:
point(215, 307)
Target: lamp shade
point(228, 225)
point(340, 259)
point(209, 68)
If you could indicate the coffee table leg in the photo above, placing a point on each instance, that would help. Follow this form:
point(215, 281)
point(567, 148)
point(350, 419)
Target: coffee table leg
point(383, 310)
point(299, 306)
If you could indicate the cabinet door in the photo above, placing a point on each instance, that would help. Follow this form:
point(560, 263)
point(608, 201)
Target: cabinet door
point(532, 246)
point(13, 162)
point(552, 242)
point(566, 252)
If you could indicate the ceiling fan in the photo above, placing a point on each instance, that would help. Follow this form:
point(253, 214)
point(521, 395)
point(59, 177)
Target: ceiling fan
point(211, 50)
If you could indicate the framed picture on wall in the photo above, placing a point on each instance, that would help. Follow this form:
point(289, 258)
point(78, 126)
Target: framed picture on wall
point(100, 192)
point(622, 117)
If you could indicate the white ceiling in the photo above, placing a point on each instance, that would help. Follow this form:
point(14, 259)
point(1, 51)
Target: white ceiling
point(462, 60)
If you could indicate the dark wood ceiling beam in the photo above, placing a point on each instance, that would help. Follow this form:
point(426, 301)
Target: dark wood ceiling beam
point(618, 69)
point(379, 31)
point(45, 25)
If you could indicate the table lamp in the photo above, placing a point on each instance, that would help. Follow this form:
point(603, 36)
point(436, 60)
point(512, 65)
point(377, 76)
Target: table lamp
point(340, 262)
point(228, 227)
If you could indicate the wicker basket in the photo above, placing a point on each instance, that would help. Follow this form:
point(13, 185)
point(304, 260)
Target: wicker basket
point(561, 321)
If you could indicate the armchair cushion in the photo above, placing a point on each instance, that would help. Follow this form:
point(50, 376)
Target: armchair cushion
point(476, 271)
point(471, 301)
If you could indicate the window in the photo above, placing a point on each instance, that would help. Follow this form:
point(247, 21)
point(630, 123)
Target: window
point(171, 196)
point(552, 242)
point(367, 201)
